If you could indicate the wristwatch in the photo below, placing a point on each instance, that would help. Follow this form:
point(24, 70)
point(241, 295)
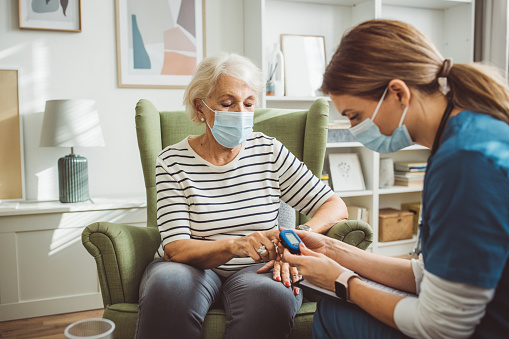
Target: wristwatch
point(341, 284)
point(304, 228)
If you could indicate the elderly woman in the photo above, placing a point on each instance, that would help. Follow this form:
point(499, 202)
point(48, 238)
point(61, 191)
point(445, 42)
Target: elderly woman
point(218, 199)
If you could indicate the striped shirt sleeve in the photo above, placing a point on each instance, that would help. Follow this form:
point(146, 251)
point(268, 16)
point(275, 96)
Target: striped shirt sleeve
point(172, 206)
point(300, 188)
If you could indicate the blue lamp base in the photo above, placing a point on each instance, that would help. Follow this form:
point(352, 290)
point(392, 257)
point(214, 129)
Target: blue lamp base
point(73, 178)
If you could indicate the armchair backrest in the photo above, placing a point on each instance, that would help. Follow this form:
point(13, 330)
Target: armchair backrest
point(303, 132)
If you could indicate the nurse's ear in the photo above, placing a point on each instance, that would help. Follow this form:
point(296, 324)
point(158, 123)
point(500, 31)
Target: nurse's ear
point(399, 90)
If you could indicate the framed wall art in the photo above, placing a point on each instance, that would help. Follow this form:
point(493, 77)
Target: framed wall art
point(304, 64)
point(159, 43)
point(52, 15)
point(346, 172)
point(11, 148)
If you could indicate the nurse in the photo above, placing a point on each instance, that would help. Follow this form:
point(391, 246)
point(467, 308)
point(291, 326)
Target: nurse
point(397, 90)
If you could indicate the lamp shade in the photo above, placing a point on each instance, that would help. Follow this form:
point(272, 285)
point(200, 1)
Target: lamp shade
point(71, 123)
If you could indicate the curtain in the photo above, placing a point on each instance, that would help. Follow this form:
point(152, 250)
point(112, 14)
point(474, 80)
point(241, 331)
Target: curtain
point(491, 44)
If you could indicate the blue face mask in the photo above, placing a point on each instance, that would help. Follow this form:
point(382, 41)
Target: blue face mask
point(369, 134)
point(231, 128)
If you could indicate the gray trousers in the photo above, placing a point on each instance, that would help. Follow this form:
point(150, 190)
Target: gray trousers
point(175, 297)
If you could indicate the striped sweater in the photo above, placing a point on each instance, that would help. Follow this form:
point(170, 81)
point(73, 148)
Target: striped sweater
point(198, 200)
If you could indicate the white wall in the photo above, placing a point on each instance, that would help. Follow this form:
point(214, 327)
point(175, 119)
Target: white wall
point(63, 65)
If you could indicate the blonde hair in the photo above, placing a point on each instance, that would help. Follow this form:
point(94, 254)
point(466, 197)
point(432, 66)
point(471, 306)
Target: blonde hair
point(208, 72)
point(377, 51)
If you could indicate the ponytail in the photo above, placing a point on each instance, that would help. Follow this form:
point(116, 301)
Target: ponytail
point(479, 88)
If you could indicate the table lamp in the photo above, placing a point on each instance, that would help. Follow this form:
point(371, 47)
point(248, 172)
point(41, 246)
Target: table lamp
point(71, 123)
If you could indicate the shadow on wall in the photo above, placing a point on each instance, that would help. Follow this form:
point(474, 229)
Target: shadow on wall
point(41, 171)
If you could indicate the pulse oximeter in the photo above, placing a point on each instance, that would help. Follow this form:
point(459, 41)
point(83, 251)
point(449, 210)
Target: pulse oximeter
point(290, 240)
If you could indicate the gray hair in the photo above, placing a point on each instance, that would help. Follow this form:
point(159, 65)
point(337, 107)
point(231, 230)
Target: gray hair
point(208, 72)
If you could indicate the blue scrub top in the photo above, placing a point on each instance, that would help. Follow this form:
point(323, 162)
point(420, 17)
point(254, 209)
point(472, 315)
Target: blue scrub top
point(465, 220)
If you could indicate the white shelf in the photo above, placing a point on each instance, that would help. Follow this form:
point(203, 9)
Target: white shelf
point(398, 242)
point(344, 144)
point(428, 4)
point(94, 204)
point(399, 189)
point(345, 194)
point(358, 144)
point(327, 2)
point(414, 147)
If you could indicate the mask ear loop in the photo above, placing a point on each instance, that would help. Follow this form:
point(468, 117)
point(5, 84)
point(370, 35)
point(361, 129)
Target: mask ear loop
point(379, 104)
point(211, 110)
point(207, 106)
point(403, 116)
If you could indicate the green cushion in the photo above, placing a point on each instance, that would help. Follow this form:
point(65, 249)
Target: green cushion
point(354, 232)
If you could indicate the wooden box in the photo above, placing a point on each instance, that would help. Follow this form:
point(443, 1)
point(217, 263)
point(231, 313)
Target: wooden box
point(415, 208)
point(394, 224)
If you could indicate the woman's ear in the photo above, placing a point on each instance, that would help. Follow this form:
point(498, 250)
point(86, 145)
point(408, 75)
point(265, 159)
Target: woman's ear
point(400, 90)
point(198, 105)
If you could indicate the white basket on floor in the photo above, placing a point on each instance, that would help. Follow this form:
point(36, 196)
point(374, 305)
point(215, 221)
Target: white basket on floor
point(96, 328)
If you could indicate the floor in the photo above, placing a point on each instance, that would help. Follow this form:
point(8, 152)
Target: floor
point(47, 327)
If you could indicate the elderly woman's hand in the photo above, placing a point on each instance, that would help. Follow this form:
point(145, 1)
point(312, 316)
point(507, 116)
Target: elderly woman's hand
point(282, 272)
point(260, 246)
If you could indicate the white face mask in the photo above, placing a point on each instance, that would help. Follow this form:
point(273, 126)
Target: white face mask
point(231, 128)
point(368, 133)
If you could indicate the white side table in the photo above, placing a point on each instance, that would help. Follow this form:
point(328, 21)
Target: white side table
point(44, 268)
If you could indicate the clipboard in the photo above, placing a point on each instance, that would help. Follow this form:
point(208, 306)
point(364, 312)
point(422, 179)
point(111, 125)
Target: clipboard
point(322, 292)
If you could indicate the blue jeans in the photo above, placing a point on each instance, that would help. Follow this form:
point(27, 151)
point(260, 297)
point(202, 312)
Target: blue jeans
point(175, 297)
point(340, 319)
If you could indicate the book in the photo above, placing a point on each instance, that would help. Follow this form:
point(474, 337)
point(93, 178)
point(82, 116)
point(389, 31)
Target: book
point(410, 166)
point(408, 179)
point(419, 183)
point(402, 174)
point(325, 178)
point(357, 213)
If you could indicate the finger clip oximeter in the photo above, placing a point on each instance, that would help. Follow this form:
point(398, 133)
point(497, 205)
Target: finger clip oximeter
point(290, 240)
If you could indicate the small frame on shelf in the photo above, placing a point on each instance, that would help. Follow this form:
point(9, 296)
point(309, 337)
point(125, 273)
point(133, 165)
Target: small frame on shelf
point(301, 50)
point(51, 15)
point(346, 172)
point(386, 177)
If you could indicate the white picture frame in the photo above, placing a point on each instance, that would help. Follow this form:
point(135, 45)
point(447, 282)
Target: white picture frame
point(346, 172)
point(50, 15)
point(305, 61)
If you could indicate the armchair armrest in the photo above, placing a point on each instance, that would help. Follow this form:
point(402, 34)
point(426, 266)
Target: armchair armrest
point(122, 253)
point(353, 232)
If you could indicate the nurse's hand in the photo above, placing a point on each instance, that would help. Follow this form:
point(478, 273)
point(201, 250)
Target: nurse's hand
point(314, 267)
point(282, 272)
point(314, 241)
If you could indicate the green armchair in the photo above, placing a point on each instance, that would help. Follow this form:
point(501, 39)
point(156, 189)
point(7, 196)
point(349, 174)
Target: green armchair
point(122, 251)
